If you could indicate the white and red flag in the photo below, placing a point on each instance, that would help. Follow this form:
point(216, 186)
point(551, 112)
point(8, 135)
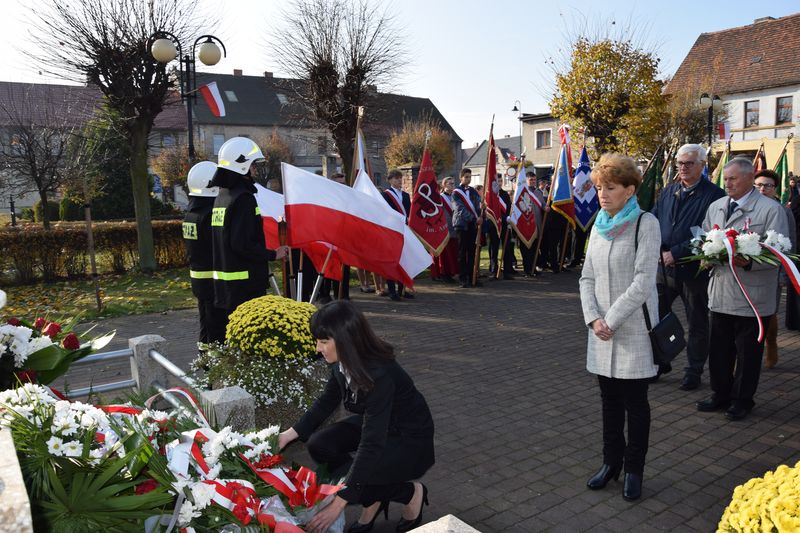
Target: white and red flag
point(270, 204)
point(495, 206)
point(428, 219)
point(213, 98)
point(365, 231)
point(523, 214)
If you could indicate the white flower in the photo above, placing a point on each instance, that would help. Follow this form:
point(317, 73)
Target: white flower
point(55, 446)
point(187, 512)
point(96, 455)
point(213, 472)
point(748, 244)
point(778, 241)
point(65, 425)
point(202, 494)
point(37, 343)
point(73, 448)
point(713, 248)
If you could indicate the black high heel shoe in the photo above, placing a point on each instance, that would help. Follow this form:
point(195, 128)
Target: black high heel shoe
point(603, 476)
point(358, 527)
point(408, 525)
point(632, 487)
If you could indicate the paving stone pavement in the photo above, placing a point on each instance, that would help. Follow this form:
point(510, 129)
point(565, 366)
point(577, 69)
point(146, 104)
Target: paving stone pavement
point(517, 416)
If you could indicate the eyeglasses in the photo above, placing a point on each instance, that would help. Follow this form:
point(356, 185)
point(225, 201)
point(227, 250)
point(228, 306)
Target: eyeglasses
point(765, 186)
point(686, 163)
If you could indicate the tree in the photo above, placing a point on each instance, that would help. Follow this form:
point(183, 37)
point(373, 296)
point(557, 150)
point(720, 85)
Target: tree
point(338, 49)
point(275, 150)
point(610, 88)
point(405, 147)
point(104, 43)
point(172, 164)
point(40, 122)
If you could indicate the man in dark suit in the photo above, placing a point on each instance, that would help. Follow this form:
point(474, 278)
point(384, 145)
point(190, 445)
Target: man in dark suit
point(467, 220)
point(400, 202)
point(680, 207)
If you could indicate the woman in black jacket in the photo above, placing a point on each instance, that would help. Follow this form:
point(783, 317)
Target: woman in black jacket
point(390, 430)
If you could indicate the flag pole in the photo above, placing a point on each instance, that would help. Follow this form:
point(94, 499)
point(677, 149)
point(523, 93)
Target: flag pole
point(508, 222)
point(319, 277)
point(299, 291)
point(544, 218)
point(286, 262)
point(476, 263)
point(344, 286)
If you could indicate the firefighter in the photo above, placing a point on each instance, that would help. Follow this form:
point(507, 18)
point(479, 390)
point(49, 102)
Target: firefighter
point(197, 236)
point(241, 270)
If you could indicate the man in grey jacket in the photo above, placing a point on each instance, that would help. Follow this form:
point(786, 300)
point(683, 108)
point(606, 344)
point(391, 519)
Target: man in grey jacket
point(734, 361)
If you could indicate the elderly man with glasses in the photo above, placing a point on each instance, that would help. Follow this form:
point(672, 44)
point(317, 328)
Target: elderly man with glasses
point(681, 206)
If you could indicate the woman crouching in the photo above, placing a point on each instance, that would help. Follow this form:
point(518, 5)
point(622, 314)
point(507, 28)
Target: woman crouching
point(390, 432)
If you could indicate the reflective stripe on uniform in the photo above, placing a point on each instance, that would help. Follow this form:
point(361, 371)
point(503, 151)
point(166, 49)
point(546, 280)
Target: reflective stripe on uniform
point(231, 276)
point(201, 274)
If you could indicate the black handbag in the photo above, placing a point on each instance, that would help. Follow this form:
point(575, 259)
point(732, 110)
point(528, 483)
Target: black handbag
point(666, 337)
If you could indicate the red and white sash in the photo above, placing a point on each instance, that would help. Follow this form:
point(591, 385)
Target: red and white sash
point(398, 202)
point(465, 198)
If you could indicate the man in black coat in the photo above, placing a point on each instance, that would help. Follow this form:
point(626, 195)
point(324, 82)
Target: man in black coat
point(400, 201)
point(680, 207)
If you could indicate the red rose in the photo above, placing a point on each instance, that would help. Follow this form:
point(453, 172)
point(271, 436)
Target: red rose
point(14, 322)
point(716, 226)
point(71, 342)
point(731, 233)
point(27, 376)
point(39, 323)
point(52, 329)
point(146, 486)
point(268, 461)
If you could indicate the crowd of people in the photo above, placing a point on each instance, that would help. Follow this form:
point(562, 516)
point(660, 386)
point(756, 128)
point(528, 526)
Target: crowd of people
point(636, 265)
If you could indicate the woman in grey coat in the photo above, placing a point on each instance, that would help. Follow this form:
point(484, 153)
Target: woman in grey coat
point(615, 282)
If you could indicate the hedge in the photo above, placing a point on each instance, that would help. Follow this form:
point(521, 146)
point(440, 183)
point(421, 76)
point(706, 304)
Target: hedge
point(29, 252)
point(52, 211)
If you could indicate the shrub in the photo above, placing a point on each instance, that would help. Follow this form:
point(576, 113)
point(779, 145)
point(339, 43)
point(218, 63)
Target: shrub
point(26, 214)
point(52, 211)
point(269, 352)
point(69, 210)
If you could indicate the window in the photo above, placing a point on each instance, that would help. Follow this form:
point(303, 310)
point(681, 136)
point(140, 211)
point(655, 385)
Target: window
point(231, 96)
point(543, 139)
point(751, 114)
point(219, 139)
point(167, 139)
point(282, 98)
point(783, 110)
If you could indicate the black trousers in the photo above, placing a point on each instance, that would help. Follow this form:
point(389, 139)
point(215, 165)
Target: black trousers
point(734, 358)
point(621, 398)
point(333, 446)
point(466, 253)
point(792, 308)
point(580, 244)
point(527, 257)
point(213, 321)
point(394, 287)
point(694, 293)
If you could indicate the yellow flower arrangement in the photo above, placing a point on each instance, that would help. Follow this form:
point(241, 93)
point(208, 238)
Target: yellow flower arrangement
point(768, 503)
point(272, 326)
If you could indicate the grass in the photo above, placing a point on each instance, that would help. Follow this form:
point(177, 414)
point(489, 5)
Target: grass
point(125, 294)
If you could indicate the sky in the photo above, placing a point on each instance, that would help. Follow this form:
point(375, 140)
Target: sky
point(474, 59)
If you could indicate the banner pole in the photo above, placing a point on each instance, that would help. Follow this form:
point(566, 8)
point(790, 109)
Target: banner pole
point(319, 277)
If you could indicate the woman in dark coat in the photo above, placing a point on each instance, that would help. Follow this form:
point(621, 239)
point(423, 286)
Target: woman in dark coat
point(390, 429)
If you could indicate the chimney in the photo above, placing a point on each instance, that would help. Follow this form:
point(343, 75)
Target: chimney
point(237, 72)
point(268, 74)
point(763, 19)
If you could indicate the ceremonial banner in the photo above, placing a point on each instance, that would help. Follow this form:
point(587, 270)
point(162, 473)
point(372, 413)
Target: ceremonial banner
point(495, 207)
point(647, 191)
point(716, 176)
point(212, 97)
point(563, 133)
point(428, 219)
point(523, 216)
point(584, 194)
point(760, 160)
point(561, 196)
point(783, 191)
point(360, 159)
point(414, 258)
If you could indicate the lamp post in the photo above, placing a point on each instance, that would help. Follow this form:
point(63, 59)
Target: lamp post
point(713, 103)
point(518, 109)
point(165, 47)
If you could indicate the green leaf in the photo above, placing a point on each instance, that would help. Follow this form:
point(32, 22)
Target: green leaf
point(46, 359)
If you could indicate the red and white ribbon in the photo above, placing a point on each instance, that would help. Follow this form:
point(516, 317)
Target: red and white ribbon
point(186, 395)
point(730, 244)
point(788, 266)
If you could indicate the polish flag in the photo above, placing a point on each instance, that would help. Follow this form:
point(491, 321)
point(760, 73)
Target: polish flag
point(270, 203)
point(366, 232)
point(212, 97)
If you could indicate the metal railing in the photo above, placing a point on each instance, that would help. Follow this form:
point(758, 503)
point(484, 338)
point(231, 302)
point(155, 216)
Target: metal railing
point(105, 387)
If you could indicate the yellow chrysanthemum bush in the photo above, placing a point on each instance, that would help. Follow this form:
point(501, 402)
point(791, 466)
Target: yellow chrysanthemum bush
point(768, 503)
point(268, 351)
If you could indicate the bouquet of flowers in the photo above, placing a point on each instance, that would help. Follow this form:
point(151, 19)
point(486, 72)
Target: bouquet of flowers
point(714, 247)
point(127, 467)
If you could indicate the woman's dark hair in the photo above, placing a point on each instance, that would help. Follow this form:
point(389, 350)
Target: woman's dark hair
point(356, 343)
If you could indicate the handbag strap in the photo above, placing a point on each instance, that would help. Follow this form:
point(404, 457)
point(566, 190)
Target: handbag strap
point(636, 249)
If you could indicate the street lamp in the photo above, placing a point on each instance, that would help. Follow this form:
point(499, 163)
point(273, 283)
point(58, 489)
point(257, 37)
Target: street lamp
point(713, 103)
point(165, 47)
point(518, 109)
